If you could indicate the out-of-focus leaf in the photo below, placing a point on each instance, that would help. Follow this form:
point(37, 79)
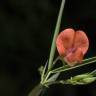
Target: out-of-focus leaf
point(40, 69)
point(81, 79)
point(89, 80)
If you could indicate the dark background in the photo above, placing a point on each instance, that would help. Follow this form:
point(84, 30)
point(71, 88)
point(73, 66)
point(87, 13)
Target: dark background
point(26, 31)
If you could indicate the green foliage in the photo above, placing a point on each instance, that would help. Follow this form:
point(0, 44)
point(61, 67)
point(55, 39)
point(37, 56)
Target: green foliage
point(50, 77)
point(81, 79)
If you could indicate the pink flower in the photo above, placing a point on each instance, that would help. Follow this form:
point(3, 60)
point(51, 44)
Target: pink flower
point(72, 45)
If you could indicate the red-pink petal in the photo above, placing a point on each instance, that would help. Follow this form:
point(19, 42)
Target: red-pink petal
point(65, 40)
point(75, 57)
point(60, 47)
point(81, 41)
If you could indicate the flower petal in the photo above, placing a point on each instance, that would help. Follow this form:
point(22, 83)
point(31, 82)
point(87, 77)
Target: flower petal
point(75, 57)
point(81, 41)
point(65, 40)
point(60, 47)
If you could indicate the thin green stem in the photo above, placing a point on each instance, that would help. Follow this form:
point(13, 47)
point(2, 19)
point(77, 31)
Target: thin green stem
point(43, 73)
point(89, 59)
point(93, 72)
point(56, 82)
point(70, 68)
point(58, 58)
point(53, 46)
point(67, 66)
point(47, 77)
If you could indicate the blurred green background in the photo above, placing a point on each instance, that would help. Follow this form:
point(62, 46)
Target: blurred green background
point(26, 31)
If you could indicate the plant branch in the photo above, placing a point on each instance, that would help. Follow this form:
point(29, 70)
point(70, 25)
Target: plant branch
point(86, 62)
point(53, 46)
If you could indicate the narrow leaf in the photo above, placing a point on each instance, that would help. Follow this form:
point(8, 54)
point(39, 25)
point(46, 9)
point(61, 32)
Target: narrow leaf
point(65, 68)
point(53, 78)
point(42, 76)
